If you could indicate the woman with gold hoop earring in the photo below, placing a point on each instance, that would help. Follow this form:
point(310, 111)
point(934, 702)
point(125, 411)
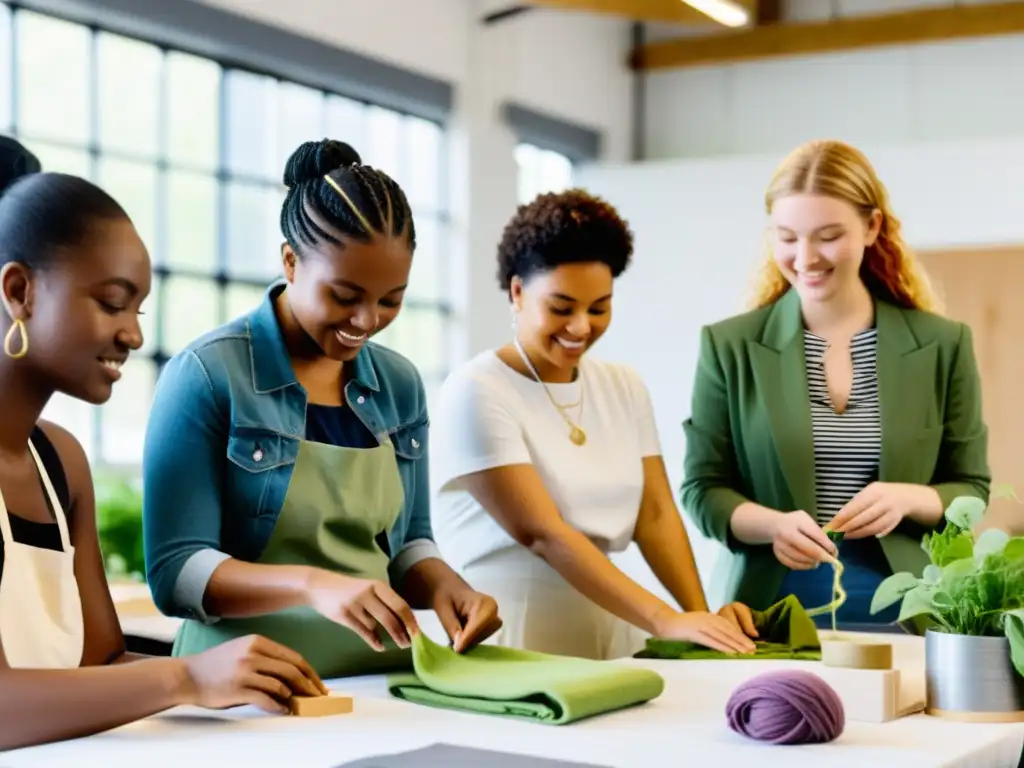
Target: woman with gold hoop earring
point(74, 274)
point(547, 459)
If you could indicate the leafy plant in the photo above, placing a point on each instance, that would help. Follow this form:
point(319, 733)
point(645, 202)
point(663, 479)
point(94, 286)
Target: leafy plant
point(973, 586)
point(119, 523)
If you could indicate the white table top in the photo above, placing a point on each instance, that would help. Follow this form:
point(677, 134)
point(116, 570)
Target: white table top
point(685, 726)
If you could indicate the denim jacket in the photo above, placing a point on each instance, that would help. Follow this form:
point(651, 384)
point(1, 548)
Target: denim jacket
point(207, 498)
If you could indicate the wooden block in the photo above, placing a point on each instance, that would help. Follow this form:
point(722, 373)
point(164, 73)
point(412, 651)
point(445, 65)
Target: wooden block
point(868, 695)
point(320, 706)
point(856, 654)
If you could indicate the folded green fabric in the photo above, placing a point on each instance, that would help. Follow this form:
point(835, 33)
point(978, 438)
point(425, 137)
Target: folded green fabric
point(785, 629)
point(511, 683)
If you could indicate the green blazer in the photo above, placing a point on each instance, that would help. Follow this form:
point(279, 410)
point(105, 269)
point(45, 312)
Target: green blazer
point(749, 436)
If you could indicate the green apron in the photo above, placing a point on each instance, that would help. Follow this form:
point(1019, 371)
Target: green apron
point(338, 501)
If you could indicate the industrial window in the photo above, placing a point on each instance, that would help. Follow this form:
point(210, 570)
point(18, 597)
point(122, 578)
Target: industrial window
point(194, 149)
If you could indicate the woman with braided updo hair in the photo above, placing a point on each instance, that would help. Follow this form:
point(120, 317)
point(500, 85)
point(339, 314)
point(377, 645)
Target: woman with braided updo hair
point(548, 458)
point(285, 463)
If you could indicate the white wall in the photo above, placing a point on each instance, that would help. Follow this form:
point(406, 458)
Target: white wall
point(699, 224)
point(968, 89)
point(941, 122)
point(570, 65)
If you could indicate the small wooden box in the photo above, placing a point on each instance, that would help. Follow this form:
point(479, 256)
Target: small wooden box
point(320, 706)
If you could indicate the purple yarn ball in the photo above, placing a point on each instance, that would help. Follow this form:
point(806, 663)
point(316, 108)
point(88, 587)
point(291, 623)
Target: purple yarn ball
point(787, 707)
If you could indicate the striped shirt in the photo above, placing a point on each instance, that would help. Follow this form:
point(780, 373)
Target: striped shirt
point(847, 445)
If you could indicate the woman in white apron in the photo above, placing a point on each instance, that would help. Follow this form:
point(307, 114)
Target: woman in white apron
point(285, 462)
point(549, 464)
point(73, 274)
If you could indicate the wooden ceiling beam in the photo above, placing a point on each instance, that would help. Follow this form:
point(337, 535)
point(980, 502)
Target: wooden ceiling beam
point(670, 11)
point(768, 12)
point(781, 39)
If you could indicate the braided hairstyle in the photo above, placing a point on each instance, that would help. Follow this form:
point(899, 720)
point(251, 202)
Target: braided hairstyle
point(332, 195)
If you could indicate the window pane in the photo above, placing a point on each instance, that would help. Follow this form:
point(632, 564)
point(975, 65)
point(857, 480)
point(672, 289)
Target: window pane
point(300, 115)
point(129, 93)
point(254, 233)
point(242, 298)
point(432, 385)
point(384, 141)
point(123, 418)
point(431, 340)
point(251, 115)
point(75, 416)
point(555, 172)
point(53, 78)
point(61, 159)
point(191, 221)
point(134, 186)
point(421, 178)
point(5, 69)
point(419, 333)
point(193, 96)
point(346, 121)
point(148, 319)
point(526, 160)
point(426, 276)
point(190, 308)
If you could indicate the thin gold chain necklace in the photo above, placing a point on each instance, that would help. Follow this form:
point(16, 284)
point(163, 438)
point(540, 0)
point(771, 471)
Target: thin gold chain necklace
point(576, 433)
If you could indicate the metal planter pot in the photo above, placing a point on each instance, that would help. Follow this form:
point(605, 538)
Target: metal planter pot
point(972, 678)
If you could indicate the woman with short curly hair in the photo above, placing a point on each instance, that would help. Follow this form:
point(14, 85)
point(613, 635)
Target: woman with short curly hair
point(548, 458)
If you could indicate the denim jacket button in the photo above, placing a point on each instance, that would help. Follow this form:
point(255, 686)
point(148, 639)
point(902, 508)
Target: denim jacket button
point(257, 455)
point(415, 443)
point(360, 399)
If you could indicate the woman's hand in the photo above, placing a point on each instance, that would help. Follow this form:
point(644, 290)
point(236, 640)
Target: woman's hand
point(740, 615)
point(248, 670)
point(707, 629)
point(469, 617)
point(880, 507)
point(799, 542)
point(362, 605)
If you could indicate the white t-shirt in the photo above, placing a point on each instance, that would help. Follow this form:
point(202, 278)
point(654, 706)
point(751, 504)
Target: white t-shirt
point(488, 416)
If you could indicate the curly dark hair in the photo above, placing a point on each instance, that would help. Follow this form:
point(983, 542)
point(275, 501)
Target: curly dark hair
point(559, 228)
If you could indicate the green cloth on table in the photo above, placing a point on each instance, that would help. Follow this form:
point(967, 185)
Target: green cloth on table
point(493, 680)
point(785, 632)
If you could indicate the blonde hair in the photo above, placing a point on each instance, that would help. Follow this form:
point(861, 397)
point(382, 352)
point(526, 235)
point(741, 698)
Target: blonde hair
point(889, 270)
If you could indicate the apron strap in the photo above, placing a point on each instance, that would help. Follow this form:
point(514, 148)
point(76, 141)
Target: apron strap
point(5, 523)
point(58, 511)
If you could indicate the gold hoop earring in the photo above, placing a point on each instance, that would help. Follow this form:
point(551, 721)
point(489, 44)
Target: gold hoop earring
point(19, 326)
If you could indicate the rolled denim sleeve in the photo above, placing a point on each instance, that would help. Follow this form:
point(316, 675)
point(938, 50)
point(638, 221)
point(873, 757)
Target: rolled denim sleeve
point(182, 467)
point(419, 539)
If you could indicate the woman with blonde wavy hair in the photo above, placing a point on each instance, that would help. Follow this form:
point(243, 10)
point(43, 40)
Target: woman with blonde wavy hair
point(841, 402)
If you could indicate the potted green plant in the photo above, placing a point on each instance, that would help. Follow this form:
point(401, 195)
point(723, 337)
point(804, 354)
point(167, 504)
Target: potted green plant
point(119, 525)
point(969, 602)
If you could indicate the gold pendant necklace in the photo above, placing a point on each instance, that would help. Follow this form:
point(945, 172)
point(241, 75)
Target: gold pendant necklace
point(578, 436)
point(576, 433)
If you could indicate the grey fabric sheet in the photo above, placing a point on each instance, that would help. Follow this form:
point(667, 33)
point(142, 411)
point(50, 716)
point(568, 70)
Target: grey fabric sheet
point(451, 756)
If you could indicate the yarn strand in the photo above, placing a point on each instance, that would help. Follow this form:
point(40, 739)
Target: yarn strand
point(838, 594)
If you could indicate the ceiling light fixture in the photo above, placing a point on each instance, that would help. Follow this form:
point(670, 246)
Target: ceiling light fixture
point(726, 12)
